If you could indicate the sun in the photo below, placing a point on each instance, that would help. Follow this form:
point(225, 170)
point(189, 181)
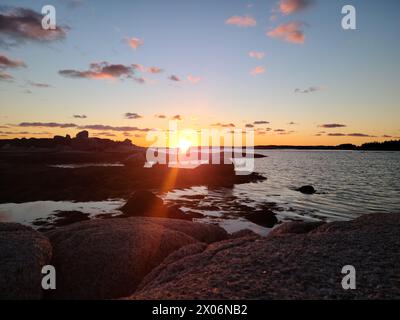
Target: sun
point(184, 145)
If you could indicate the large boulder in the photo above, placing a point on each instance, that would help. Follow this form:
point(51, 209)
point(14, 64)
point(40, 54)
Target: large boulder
point(23, 253)
point(289, 266)
point(105, 259)
point(144, 203)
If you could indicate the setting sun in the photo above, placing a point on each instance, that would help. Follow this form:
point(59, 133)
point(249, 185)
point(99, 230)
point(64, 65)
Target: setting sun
point(184, 145)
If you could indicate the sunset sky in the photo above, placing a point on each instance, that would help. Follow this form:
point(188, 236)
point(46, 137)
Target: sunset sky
point(120, 68)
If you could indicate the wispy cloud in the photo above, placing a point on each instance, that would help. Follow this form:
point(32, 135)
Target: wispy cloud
point(80, 116)
point(48, 125)
point(174, 78)
point(103, 70)
point(357, 135)
point(223, 125)
point(332, 125)
point(260, 122)
point(160, 116)
point(177, 117)
point(132, 116)
point(290, 32)
point(257, 70)
point(6, 62)
point(193, 79)
point(5, 76)
point(18, 25)
point(257, 54)
point(242, 21)
point(134, 43)
point(309, 89)
point(39, 85)
point(288, 7)
point(151, 70)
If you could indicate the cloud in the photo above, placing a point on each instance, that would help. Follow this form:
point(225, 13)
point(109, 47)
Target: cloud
point(361, 135)
point(289, 32)
point(288, 7)
point(256, 54)
point(132, 116)
point(260, 122)
point(18, 25)
point(79, 116)
point(309, 89)
point(257, 70)
point(280, 130)
point(332, 125)
point(5, 76)
point(105, 134)
point(103, 70)
point(242, 21)
point(193, 79)
point(23, 133)
point(292, 123)
point(223, 125)
point(151, 70)
point(102, 127)
point(174, 78)
point(134, 43)
point(6, 62)
point(387, 136)
point(47, 124)
point(97, 127)
point(357, 135)
point(177, 117)
point(249, 125)
point(39, 85)
point(160, 116)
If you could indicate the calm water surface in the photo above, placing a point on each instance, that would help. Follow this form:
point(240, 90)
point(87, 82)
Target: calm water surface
point(349, 184)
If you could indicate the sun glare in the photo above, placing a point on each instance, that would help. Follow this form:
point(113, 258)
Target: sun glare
point(184, 145)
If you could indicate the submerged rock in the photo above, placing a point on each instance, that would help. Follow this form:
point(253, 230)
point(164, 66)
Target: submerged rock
point(23, 253)
point(106, 259)
point(291, 266)
point(307, 190)
point(263, 218)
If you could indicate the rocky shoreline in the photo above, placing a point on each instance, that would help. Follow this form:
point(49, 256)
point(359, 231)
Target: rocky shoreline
point(159, 258)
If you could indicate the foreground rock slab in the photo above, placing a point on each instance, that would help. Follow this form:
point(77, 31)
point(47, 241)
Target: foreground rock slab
point(23, 253)
point(292, 264)
point(105, 259)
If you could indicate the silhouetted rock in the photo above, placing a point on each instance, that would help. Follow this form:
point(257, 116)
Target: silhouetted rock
point(105, 259)
point(83, 135)
point(291, 266)
point(143, 203)
point(23, 253)
point(135, 160)
point(306, 189)
point(263, 218)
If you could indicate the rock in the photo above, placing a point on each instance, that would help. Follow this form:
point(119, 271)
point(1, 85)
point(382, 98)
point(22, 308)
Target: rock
point(83, 135)
point(307, 190)
point(263, 218)
point(146, 204)
point(23, 253)
point(143, 203)
point(106, 259)
point(291, 266)
point(243, 233)
point(135, 160)
point(296, 227)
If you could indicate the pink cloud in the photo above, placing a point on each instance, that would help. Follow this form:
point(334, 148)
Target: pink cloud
point(256, 54)
point(290, 32)
point(257, 70)
point(242, 21)
point(134, 43)
point(292, 6)
point(193, 79)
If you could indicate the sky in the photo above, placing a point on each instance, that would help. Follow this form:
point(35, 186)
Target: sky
point(285, 68)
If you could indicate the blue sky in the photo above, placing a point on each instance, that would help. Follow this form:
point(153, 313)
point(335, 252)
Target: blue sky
point(355, 73)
